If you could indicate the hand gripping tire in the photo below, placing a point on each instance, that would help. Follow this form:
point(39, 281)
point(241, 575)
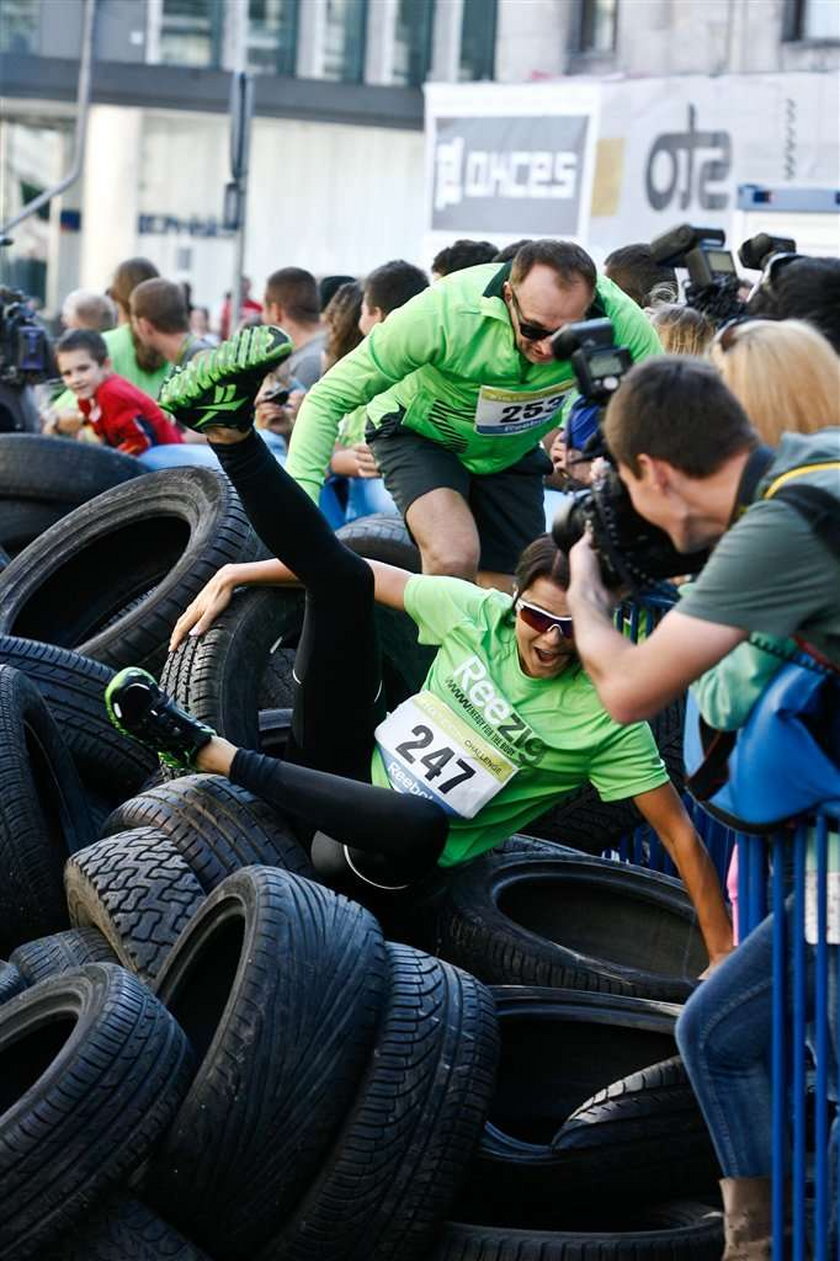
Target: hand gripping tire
point(121, 1229)
point(397, 1162)
point(43, 814)
point(138, 891)
point(60, 953)
point(91, 1070)
point(111, 579)
point(571, 921)
point(216, 826)
point(279, 984)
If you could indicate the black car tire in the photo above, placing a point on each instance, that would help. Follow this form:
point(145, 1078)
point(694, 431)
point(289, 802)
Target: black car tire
point(138, 891)
point(397, 1163)
point(60, 953)
point(216, 826)
point(279, 985)
point(43, 814)
point(92, 1068)
point(111, 579)
point(572, 921)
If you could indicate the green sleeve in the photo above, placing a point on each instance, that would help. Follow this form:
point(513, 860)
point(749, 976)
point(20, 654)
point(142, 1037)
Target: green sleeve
point(726, 694)
point(412, 336)
point(627, 763)
point(439, 604)
point(632, 327)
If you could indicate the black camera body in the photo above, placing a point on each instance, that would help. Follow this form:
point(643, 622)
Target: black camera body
point(712, 277)
point(597, 362)
point(631, 552)
point(25, 354)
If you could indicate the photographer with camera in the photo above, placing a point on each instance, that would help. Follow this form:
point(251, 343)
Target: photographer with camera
point(693, 466)
point(460, 384)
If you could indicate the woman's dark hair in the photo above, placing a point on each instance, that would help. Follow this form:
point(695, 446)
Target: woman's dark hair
point(128, 275)
point(542, 559)
point(341, 319)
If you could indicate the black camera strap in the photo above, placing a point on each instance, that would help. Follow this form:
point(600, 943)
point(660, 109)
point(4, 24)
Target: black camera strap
point(756, 466)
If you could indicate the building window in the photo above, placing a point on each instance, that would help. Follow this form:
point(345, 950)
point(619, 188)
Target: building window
point(272, 36)
point(19, 26)
point(596, 32)
point(344, 40)
point(812, 19)
point(190, 32)
point(478, 41)
point(413, 41)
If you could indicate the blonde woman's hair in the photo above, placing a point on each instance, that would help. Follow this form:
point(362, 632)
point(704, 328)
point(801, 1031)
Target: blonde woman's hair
point(784, 374)
point(682, 330)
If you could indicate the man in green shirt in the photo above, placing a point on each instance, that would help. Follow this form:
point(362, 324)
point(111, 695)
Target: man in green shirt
point(460, 384)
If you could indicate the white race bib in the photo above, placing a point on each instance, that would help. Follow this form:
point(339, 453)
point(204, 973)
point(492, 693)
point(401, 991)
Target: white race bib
point(428, 750)
point(502, 412)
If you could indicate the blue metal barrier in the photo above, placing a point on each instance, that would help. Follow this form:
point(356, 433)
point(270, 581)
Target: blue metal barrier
point(806, 984)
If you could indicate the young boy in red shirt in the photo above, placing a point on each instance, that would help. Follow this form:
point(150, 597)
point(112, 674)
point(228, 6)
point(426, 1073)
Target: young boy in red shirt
point(120, 414)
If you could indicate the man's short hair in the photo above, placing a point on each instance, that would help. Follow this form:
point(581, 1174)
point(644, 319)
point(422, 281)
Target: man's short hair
point(83, 339)
point(508, 254)
point(634, 269)
point(803, 289)
point(163, 304)
point(461, 254)
point(676, 408)
point(91, 309)
point(392, 284)
point(296, 291)
point(570, 262)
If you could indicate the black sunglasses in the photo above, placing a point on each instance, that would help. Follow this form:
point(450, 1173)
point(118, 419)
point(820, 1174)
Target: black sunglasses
point(531, 332)
point(542, 622)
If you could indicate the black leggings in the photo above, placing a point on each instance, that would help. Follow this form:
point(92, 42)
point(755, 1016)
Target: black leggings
point(338, 687)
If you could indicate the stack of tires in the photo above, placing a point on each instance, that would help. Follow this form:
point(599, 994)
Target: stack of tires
point(205, 1053)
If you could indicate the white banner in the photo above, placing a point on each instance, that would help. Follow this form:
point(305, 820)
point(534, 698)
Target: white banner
point(507, 162)
point(612, 162)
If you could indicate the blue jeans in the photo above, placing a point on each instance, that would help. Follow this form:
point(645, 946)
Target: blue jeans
point(724, 1035)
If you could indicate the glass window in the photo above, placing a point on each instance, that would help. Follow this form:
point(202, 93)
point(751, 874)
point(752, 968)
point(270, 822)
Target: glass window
point(272, 36)
point(597, 26)
point(190, 32)
point(344, 40)
point(478, 40)
point(816, 19)
point(19, 26)
point(413, 41)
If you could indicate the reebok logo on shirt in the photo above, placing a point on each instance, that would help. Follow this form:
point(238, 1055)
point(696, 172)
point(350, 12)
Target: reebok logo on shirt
point(475, 691)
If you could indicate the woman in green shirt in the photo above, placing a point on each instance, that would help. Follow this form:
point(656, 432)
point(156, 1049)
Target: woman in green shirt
point(506, 722)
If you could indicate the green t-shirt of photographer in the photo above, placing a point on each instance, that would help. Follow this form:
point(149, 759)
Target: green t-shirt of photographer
point(527, 742)
point(770, 574)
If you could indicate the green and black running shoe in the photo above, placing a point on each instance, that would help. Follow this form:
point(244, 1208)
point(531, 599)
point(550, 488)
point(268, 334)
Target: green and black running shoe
point(218, 387)
point(138, 708)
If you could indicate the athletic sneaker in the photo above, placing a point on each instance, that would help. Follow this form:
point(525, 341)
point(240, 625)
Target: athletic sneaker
point(218, 387)
point(138, 708)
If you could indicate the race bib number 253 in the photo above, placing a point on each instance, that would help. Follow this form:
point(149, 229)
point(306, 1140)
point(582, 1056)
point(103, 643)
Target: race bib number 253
point(505, 412)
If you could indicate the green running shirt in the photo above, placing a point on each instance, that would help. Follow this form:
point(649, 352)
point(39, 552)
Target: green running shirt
point(529, 741)
point(447, 363)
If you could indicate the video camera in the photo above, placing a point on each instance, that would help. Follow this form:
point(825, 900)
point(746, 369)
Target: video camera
point(713, 280)
point(25, 355)
point(631, 551)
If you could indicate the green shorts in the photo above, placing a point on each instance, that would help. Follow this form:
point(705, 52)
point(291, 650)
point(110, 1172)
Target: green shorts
point(507, 506)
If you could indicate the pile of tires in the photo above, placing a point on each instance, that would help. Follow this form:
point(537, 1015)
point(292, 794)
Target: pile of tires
point(207, 1055)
